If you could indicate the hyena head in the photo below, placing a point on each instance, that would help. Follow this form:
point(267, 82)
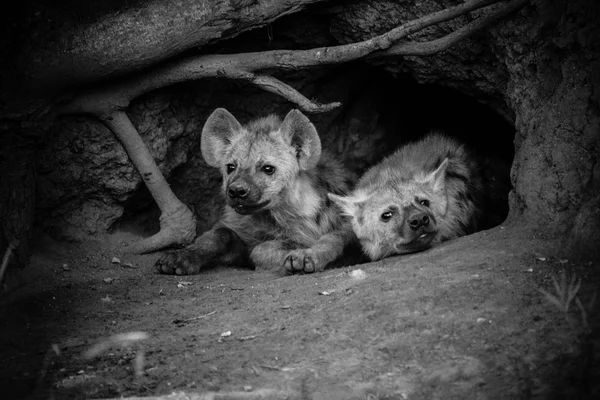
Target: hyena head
point(398, 216)
point(261, 159)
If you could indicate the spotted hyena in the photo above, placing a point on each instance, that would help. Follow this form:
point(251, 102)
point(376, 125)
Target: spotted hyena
point(424, 193)
point(277, 214)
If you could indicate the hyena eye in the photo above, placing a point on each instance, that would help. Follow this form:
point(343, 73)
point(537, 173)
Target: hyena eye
point(386, 216)
point(424, 202)
point(230, 168)
point(268, 169)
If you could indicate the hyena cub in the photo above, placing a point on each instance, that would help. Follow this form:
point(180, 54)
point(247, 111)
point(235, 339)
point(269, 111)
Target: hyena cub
point(277, 214)
point(426, 192)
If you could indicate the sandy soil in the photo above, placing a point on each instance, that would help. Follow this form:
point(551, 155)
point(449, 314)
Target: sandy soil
point(462, 321)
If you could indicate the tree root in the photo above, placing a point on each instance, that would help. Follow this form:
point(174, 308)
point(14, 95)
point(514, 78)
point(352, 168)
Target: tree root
point(177, 222)
point(441, 44)
point(176, 230)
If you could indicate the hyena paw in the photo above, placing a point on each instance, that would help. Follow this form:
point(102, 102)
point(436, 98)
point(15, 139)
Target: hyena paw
point(302, 260)
point(177, 263)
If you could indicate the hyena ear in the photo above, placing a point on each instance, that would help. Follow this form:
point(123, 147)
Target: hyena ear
point(301, 133)
point(350, 205)
point(216, 135)
point(437, 178)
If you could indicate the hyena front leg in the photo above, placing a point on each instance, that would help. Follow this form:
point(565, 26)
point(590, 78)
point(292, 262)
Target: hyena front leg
point(217, 246)
point(270, 255)
point(315, 258)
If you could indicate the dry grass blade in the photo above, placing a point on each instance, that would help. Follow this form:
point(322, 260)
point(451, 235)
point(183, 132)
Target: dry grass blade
point(5, 260)
point(583, 313)
point(592, 301)
point(566, 290)
point(553, 300)
point(561, 288)
point(573, 290)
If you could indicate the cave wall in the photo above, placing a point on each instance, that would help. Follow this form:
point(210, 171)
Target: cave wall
point(554, 67)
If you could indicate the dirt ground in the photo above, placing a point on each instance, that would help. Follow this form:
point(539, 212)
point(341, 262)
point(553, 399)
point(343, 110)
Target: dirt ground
point(464, 320)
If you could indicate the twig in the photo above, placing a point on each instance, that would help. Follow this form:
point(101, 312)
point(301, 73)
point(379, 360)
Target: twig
point(183, 321)
point(122, 339)
point(284, 369)
point(245, 338)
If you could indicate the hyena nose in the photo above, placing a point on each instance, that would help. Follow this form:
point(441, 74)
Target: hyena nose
point(238, 191)
point(418, 220)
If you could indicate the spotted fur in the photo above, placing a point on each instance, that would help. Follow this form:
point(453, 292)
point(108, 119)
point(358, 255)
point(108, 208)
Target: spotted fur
point(426, 192)
point(277, 214)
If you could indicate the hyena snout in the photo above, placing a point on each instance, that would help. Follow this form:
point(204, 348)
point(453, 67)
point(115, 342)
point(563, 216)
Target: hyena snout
point(238, 190)
point(418, 219)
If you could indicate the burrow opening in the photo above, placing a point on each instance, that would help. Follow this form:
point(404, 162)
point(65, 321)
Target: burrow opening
point(379, 113)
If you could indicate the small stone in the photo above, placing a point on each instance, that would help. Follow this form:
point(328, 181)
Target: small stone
point(108, 280)
point(541, 258)
point(324, 293)
point(65, 267)
point(481, 320)
point(115, 260)
point(358, 274)
point(247, 388)
point(226, 334)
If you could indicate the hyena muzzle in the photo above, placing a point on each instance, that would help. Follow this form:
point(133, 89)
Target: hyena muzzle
point(277, 214)
point(426, 192)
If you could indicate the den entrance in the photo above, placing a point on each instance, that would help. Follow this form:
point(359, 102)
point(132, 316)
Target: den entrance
point(380, 113)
